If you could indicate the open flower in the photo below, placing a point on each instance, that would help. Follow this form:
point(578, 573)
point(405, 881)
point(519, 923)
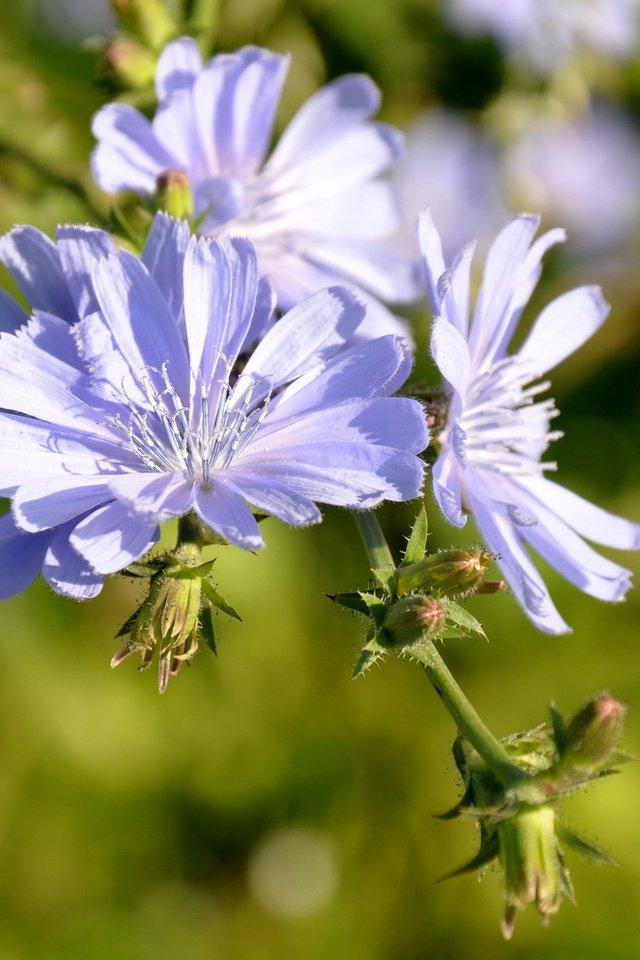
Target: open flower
point(314, 209)
point(497, 431)
point(544, 33)
point(153, 404)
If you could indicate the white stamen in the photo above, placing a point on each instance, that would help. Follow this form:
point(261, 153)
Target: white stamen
point(501, 426)
point(169, 436)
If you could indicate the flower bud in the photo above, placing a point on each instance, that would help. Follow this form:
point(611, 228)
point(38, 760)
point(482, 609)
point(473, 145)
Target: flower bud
point(449, 572)
point(593, 734)
point(148, 19)
point(174, 194)
point(132, 64)
point(412, 619)
point(530, 858)
point(167, 621)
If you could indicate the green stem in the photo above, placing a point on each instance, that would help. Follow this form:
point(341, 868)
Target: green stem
point(469, 723)
point(374, 540)
point(467, 720)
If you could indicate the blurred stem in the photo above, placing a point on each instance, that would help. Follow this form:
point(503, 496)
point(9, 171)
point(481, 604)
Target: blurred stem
point(463, 713)
point(203, 22)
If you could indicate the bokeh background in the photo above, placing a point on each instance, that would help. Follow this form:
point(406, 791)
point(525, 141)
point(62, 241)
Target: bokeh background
point(268, 806)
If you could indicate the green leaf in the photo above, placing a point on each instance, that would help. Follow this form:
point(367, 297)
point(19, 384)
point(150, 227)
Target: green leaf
point(386, 577)
point(417, 542)
point(464, 620)
point(559, 727)
point(351, 601)
point(584, 848)
point(619, 757)
point(217, 600)
point(130, 623)
point(487, 852)
point(566, 884)
point(142, 569)
point(183, 571)
point(366, 660)
point(206, 626)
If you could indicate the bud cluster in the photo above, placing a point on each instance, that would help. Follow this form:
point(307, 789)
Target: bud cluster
point(417, 602)
point(519, 826)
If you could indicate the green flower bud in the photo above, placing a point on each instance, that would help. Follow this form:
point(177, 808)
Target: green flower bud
point(174, 194)
point(148, 19)
point(448, 573)
point(132, 64)
point(531, 860)
point(412, 619)
point(593, 734)
point(167, 621)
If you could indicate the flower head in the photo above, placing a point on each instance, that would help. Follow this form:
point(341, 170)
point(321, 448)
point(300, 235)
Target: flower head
point(543, 33)
point(157, 402)
point(498, 429)
point(314, 209)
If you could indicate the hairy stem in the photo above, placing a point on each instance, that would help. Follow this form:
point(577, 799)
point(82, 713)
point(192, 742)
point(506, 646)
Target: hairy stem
point(463, 713)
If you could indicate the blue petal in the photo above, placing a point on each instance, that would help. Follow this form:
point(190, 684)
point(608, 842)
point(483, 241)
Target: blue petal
point(391, 421)
point(154, 497)
point(563, 326)
point(178, 66)
point(373, 369)
point(110, 539)
point(41, 450)
point(355, 475)
point(585, 518)
point(515, 563)
point(235, 101)
point(139, 319)
point(66, 571)
point(52, 335)
point(451, 354)
point(221, 286)
point(129, 155)
point(42, 504)
point(34, 263)
point(163, 256)
point(272, 497)
point(308, 334)
point(494, 311)
point(447, 488)
point(324, 118)
point(21, 557)
point(12, 316)
point(56, 391)
point(226, 513)
point(79, 247)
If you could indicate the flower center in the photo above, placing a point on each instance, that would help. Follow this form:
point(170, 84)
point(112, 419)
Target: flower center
point(196, 439)
point(501, 426)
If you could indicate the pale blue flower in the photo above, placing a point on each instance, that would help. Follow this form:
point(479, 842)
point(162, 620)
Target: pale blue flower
point(545, 32)
point(175, 391)
point(497, 429)
point(452, 167)
point(315, 209)
point(583, 172)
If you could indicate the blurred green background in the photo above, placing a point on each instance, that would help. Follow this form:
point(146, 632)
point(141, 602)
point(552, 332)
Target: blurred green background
point(268, 806)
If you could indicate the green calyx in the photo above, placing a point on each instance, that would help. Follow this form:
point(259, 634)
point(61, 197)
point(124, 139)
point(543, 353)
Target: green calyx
point(518, 822)
point(176, 616)
point(417, 601)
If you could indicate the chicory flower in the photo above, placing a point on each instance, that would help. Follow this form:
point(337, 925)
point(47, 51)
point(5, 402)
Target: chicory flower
point(175, 391)
point(490, 462)
point(315, 209)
